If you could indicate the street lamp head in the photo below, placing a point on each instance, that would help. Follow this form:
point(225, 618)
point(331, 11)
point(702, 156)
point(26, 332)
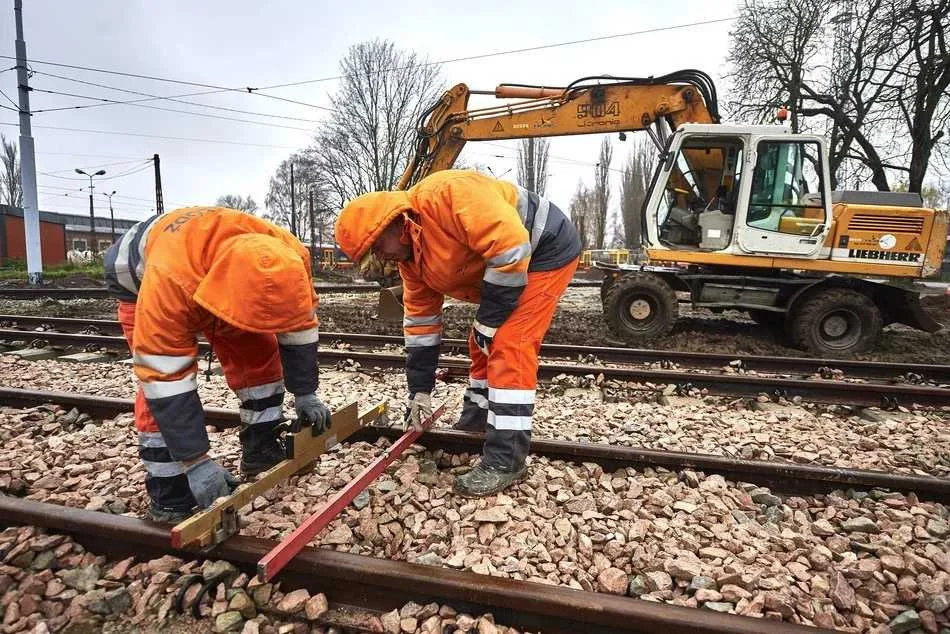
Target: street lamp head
point(79, 171)
point(99, 173)
point(113, 192)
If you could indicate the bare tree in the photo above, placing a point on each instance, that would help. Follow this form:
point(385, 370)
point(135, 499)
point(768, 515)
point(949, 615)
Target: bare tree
point(11, 189)
point(870, 74)
point(533, 164)
point(582, 214)
point(236, 201)
point(602, 192)
point(637, 172)
point(308, 176)
point(365, 144)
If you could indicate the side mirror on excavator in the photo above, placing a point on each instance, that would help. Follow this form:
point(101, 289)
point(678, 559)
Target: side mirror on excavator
point(390, 304)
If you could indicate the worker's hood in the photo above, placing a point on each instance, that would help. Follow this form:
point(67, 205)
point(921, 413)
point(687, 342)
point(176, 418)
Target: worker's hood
point(366, 217)
point(259, 284)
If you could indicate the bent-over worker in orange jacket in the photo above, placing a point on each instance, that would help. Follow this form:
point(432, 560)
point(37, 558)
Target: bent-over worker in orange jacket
point(246, 284)
point(484, 241)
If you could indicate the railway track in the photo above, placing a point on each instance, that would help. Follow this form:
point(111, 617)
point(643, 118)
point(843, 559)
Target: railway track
point(380, 585)
point(697, 360)
point(788, 478)
point(881, 394)
point(100, 292)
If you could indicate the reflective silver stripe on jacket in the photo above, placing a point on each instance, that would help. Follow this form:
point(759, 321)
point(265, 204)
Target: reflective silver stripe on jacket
point(164, 389)
point(253, 417)
point(419, 341)
point(299, 338)
point(164, 363)
point(162, 469)
point(421, 320)
point(122, 274)
point(152, 439)
point(256, 392)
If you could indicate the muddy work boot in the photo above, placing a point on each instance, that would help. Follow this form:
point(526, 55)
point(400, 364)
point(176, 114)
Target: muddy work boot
point(473, 418)
point(482, 481)
point(261, 448)
point(167, 516)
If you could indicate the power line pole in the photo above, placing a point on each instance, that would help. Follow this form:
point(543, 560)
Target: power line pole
point(293, 203)
point(111, 213)
point(159, 202)
point(314, 249)
point(31, 210)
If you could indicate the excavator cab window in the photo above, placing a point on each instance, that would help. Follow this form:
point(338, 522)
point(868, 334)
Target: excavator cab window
point(786, 188)
point(701, 191)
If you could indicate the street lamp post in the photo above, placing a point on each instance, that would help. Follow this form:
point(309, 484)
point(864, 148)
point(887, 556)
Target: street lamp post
point(92, 213)
point(111, 213)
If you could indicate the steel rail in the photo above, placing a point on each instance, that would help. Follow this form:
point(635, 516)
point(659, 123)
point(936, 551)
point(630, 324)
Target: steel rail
point(381, 584)
point(699, 360)
point(101, 292)
point(783, 477)
point(821, 391)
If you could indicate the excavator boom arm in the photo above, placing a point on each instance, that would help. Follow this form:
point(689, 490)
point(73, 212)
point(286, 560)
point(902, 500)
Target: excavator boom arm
point(620, 105)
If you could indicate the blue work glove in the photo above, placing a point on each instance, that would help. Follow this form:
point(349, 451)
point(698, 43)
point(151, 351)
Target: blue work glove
point(209, 481)
point(483, 336)
point(311, 412)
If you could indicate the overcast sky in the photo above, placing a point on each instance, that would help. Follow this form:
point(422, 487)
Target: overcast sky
point(238, 43)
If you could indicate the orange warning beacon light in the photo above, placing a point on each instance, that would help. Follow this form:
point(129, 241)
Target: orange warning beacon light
point(782, 114)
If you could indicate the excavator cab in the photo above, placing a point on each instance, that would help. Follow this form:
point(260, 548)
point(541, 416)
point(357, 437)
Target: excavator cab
point(739, 190)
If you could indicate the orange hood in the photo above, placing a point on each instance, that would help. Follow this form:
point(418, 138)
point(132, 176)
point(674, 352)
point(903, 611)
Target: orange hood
point(366, 217)
point(259, 284)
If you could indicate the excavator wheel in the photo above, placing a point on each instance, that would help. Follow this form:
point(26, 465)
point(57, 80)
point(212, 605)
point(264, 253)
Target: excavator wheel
point(835, 322)
point(640, 306)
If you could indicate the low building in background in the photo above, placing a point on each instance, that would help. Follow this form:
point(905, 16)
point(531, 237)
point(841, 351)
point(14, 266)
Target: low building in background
point(59, 234)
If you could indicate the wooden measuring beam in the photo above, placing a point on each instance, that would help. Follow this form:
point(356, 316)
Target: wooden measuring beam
point(220, 520)
point(288, 548)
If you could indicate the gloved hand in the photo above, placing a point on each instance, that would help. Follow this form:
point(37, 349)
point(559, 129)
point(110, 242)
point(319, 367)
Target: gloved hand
point(311, 412)
point(420, 409)
point(483, 336)
point(209, 481)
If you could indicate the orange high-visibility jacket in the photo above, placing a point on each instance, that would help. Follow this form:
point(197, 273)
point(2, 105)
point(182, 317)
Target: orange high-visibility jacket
point(474, 238)
point(189, 267)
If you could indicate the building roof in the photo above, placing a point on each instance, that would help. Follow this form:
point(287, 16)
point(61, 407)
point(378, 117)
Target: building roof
point(73, 222)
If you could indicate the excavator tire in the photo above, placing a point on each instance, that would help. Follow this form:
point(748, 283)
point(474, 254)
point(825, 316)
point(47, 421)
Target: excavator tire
point(640, 306)
point(835, 322)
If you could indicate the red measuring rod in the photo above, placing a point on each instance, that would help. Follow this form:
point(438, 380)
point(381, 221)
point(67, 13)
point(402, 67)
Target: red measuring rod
point(274, 561)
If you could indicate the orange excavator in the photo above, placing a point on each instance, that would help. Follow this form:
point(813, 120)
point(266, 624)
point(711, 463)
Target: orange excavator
point(737, 216)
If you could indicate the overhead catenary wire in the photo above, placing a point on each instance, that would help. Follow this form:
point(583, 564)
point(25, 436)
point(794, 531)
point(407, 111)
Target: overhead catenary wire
point(247, 89)
point(150, 97)
point(258, 90)
point(100, 165)
point(157, 136)
point(151, 107)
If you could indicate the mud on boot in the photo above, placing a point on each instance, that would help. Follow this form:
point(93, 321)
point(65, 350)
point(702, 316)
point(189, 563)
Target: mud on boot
point(482, 481)
point(261, 448)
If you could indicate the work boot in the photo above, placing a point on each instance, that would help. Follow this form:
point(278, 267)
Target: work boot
point(261, 449)
point(473, 418)
point(482, 481)
point(167, 516)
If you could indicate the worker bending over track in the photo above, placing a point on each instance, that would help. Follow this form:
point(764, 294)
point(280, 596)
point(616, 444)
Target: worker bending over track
point(484, 241)
point(246, 285)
